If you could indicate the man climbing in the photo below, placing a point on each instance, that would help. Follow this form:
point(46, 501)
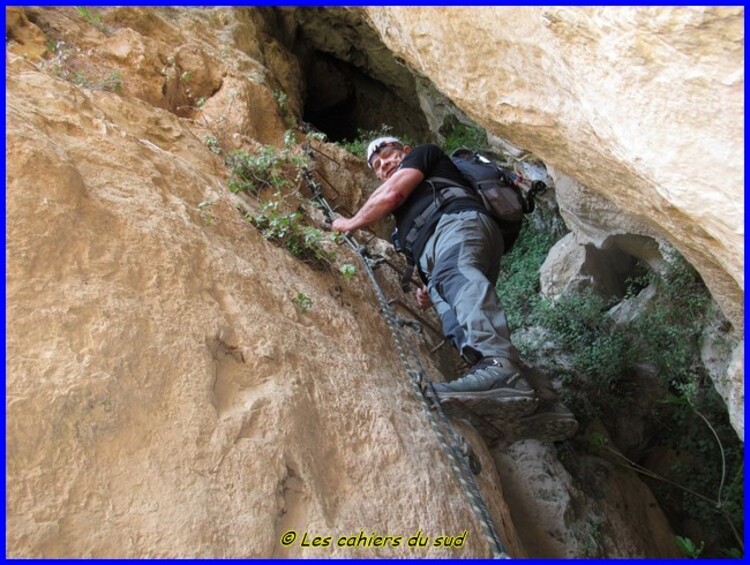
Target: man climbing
point(457, 250)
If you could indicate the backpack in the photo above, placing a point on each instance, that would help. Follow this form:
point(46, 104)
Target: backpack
point(494, 186)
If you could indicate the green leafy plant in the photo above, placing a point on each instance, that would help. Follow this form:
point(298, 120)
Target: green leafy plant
point(688, 547)
point(518, 283)
point(290, 139)
point(317, 135)
point(113, 82)
point(286, 113)
point(285, 228)
point(213, 144)
point(461, 135)
point(302, 302)
point(358, 145)
point(91, 17)
point(669, 332)
point(597, 360)
point(348, 271)
point(70, 63)
point(269, 168)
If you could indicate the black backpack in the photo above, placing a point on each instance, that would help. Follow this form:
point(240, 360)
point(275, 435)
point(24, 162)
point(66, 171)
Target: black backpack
point(496, 189)
point(494, 186)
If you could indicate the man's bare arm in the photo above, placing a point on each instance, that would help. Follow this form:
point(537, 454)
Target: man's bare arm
point(389, 196)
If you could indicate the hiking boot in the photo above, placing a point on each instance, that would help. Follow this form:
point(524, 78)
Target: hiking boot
point(492, 377)
point(494, 386)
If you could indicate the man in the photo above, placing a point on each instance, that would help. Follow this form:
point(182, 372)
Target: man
point(457, 251)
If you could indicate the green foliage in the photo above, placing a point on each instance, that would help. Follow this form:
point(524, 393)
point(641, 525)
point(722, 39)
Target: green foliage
point(461, 135)
point(693, 416)
point(318, 135)
point(600, 355)
point(91, 17)
point(270, 168)
point(214, 145)
point(348, 271)
point(285, 228)
point(688, 547)
point(281, 99)
point(70, 63)
point(668, 333)
point(290, 139)
point(712, 462)
point(286, 113)
point(518, 283)
point(113, 82)
point(302, 302)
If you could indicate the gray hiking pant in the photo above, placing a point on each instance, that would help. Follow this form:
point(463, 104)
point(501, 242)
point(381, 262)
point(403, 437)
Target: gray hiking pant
point(462, 262)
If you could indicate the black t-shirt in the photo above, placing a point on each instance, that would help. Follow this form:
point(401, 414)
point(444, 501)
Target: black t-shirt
point(432, 162)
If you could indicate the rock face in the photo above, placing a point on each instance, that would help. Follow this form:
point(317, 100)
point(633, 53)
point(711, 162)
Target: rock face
point(614, 98)
point(165, 397)
point(547, 506)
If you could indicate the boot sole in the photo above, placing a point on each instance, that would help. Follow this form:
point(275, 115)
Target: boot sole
point(546, 426)
point(502, 424)
point(498, 394)
point(488, 407)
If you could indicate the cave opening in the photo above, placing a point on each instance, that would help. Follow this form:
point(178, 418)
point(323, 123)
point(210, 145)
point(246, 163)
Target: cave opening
point(345, 103)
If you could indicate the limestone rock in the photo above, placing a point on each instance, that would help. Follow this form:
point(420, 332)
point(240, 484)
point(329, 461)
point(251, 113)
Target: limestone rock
point(24, 38)
point(723, 354)
point(554, 522)
point(572, 267)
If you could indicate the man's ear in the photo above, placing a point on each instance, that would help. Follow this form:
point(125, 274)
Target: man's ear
point(407, 149)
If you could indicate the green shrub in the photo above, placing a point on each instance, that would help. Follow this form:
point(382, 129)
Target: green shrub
point(599, 354)
point(285, 228)
point(596, 359)
point(461, 135)
point(518, 283)
point(91, 17)
point(668, 333)
point(270, 168)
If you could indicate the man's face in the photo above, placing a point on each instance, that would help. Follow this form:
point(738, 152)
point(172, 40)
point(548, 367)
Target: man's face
point(385, 161)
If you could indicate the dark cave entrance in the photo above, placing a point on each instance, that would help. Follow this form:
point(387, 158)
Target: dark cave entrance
point(343, 102)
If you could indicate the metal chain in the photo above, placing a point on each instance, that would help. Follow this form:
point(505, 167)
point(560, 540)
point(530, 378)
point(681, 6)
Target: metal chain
point(451, 442)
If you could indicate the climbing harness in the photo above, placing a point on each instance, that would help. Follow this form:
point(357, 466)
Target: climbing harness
point(460, 456)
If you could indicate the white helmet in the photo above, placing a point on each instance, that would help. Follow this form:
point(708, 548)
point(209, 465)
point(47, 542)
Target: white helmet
point(378, 144)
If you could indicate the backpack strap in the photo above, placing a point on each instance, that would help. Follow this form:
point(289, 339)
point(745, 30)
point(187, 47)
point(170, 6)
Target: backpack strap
point(450, 183)
point(443, 196)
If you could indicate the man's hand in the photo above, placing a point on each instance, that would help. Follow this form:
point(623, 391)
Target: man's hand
point(423, 298)
point(341, 225)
